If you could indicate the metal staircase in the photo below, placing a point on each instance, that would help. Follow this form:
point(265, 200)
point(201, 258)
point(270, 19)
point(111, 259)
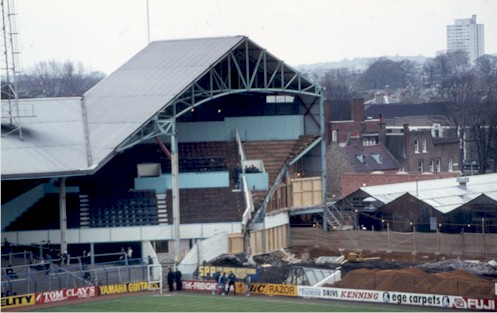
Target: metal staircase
point(84, 211)
point(335, 219)
point(162, 208)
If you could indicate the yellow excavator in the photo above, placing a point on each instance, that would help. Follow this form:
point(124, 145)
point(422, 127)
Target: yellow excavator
point(357, 257)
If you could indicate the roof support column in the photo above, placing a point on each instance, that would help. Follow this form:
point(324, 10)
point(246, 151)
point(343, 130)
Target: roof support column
point(323, 157)
point(175, 192)
point(63, 216)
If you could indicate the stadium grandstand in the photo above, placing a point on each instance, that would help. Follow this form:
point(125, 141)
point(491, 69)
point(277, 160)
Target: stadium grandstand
point(192, 149)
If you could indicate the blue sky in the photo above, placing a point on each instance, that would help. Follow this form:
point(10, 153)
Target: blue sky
point(103, 34)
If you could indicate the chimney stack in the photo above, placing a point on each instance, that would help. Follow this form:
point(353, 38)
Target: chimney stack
point(357, 110)
point(462, 182)
point(382, 135)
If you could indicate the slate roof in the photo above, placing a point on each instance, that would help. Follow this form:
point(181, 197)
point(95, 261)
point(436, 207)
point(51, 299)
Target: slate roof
point(370, 158)
point(393, 110)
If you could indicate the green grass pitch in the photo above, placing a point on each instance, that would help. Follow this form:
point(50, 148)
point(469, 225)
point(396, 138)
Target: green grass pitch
point(191, 302)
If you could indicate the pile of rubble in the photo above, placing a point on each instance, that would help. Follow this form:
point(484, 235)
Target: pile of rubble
point(376, 271)
point(483, 268)
point(415, 280)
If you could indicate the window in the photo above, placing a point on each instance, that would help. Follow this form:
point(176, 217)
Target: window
point(416, 146)
point(420, 165)
point(439, 166)
point(369, 142)
point(432, 166)
point(162, 246)
point(378, 158)
point(361, 158)
point(279, 99)
point(424, 146)
point(451, 164)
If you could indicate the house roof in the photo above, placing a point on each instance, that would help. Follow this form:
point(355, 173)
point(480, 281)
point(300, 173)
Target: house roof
point(384, 99)
point(370, 158)
point(443, 195)
point(393, 110)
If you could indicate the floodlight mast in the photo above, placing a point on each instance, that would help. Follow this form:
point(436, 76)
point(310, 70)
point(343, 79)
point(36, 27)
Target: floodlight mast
point(11, 109)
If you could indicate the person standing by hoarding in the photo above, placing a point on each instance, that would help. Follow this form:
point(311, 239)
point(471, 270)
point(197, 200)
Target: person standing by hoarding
point(223, 281)
point(177, 277)
point(170, 279)
point(247, 285)
point(216, 277)
point(231, 282)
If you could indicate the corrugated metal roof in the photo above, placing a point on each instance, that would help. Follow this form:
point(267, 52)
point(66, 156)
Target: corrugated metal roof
point(146, 84)
point(443, 195)
point(53, 140)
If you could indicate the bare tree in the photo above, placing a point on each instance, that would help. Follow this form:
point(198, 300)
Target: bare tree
point(54, 79)
point(339, 84)
point(385, 72)
point(471, 107)
point(445, 65)
point(47, 76)
point(486, 69)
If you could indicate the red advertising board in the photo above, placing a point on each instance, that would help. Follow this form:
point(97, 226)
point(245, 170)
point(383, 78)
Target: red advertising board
point(480, 304)
point(66, 294)
point(198, 285)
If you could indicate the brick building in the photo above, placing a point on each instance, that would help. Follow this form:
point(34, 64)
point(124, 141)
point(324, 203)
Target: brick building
point(365, 151)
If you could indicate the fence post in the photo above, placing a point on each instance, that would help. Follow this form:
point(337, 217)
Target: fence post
point(388, 235)
point(438, 241)
point(414, 239)
point(483, 236)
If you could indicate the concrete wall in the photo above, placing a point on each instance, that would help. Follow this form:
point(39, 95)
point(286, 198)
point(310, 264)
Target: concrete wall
point(285, 127)
point(186, 181)
point(124, 234)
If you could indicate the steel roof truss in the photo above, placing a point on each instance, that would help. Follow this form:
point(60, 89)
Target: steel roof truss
point(155, 128)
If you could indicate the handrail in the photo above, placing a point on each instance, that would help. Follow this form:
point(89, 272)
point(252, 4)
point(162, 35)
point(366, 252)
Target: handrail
point(247, 214)
point(272, 190)
point(241, 152)
point(249, 202)
point(32, 279)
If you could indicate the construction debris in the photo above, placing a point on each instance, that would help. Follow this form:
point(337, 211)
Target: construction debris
point(354, 256)
point(331, 259)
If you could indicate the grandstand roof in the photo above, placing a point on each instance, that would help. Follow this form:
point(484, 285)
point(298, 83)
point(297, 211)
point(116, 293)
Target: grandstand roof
point(53, 140)
point(71, 136)
point(443, 195)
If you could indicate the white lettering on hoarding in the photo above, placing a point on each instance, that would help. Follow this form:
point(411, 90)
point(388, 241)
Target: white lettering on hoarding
point(481, 304)
point(65, 294)
point(198, 285)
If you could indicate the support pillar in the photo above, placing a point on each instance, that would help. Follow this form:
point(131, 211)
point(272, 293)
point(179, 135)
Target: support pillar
point(92, 251)
point(62, 214)
point(175, 193)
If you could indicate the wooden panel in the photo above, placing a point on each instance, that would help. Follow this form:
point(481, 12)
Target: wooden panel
point(307, 191)
point(269, 240)
point(235, 243)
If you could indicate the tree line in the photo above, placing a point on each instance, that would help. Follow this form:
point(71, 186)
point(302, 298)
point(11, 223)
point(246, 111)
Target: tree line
point(53, 79)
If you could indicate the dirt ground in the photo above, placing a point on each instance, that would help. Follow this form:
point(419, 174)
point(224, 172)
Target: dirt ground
point(381, 270)
point(403, 272)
